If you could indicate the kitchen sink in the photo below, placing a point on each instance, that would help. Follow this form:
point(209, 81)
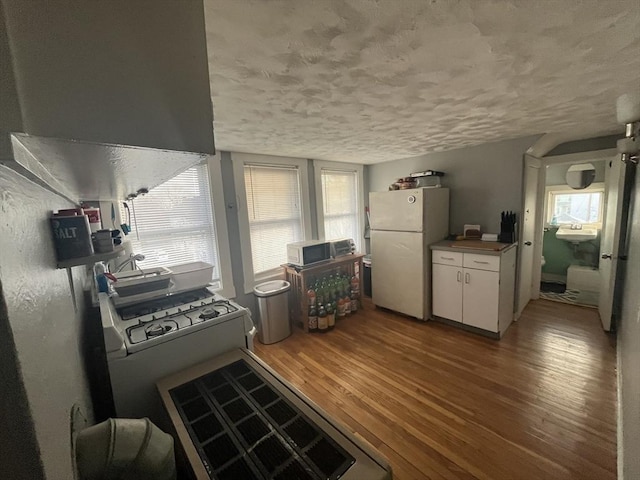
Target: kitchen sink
point(573, 235)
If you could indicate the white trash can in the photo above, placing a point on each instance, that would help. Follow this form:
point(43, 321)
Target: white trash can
point(273, 311)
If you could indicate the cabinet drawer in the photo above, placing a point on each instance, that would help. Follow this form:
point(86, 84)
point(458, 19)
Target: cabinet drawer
point(482, 262)
point(444, 257)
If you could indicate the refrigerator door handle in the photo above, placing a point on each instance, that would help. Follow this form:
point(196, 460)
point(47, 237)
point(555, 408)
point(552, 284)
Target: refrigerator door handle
point(459, 278)
point(467, 278)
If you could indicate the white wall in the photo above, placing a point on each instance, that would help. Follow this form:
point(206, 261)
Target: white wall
point(484, 180)
point(557, 174)
point(133, 73)
point(45, 330)
point(629, 350)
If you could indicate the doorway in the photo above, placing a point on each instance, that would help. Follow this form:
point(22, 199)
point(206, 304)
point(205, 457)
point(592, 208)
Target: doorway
point(565, 243)
point(572, 221)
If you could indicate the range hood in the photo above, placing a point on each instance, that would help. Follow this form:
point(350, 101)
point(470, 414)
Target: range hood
point(80, 170)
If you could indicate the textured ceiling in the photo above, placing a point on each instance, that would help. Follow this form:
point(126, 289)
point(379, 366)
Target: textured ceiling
point(369, 81)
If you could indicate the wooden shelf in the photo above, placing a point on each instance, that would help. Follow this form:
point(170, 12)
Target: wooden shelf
point(300, 280)
point(91, 259)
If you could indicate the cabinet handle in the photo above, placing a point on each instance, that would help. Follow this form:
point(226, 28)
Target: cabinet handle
point(467, 278)
point(481, 263)
point(447, 258)
point(459, 277)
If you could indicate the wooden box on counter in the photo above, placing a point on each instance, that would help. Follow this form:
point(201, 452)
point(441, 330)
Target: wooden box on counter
point(302, 278)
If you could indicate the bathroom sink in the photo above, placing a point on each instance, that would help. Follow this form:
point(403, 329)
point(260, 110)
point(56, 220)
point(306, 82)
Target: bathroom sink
point(576, 236)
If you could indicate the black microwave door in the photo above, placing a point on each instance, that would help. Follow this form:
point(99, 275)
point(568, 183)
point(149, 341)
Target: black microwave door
point(315, 253)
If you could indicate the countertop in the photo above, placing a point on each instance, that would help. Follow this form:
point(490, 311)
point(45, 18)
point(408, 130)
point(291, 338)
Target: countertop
point(473, 246)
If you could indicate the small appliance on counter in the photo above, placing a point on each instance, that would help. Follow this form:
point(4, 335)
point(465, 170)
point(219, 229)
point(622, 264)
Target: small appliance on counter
point(344, 246)
point(472, 232)
point(303, 254)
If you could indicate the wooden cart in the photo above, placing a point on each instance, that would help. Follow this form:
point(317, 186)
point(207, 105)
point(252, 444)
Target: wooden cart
point(302, 278)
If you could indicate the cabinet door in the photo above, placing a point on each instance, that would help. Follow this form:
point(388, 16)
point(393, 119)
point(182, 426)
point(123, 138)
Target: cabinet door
point(447, 292)
point(481, 297)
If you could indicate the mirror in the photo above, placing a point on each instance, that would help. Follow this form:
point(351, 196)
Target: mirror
point(581, 176)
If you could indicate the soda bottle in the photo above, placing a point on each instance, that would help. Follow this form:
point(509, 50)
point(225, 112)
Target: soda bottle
point(353, 303)
point(320, 294)
point(340, 311)
point(331, 316)
point(346, 298)
point(323, 322)
point(355, 285)
point(311, 296)
point(313, 318)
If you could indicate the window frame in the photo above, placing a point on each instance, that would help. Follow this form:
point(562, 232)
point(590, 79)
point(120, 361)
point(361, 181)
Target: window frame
point(239, 160)
point(216, 195)
point(218, 204)
point(552, 190)
point(318, 166)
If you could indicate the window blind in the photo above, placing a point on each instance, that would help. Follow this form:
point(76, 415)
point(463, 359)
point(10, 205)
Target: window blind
point(174, 223)
point(274, 211)
point(340, 204)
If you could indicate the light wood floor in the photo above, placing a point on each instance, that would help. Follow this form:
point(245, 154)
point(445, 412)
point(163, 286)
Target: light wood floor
point(442, 403)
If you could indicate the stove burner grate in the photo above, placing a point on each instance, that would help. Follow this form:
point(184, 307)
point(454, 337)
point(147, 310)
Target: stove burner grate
point(244, 428)
point(163, 322)
point(208, 313)
point(164, 303)
point(157, 329)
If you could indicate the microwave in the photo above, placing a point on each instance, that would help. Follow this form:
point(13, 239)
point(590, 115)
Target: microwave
point(307, 253)
point(344, 246)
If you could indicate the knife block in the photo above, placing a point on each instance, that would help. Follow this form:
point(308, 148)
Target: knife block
point(508, 232)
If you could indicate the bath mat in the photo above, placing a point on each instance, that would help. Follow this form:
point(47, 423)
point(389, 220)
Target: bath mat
point(552, 287)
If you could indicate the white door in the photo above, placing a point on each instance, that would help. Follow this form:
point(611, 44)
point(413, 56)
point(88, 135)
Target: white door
point(528, 217)
point(399, 210)
point(397, 272)
point(610, 239)
point(447, 291)
point(480, 299)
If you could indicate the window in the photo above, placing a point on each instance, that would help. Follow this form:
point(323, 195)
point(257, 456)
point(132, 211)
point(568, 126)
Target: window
point(571, 206)
point(274, 211)
point(275, 214)
point(175, 223)
point(339, 200)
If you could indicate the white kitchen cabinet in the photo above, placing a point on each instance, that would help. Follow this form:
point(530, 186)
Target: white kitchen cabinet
point(481, 299)
point(475, 288)
point(447, 291)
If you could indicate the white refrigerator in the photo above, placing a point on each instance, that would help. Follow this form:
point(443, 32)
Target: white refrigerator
point(403, 225)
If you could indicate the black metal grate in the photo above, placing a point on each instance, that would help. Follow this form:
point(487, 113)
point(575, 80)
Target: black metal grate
point(244, 429)
point(253, 429)
point(295, 471)
point(207, 427)
point(271, 453)
point(264, 396)
point(301, 432)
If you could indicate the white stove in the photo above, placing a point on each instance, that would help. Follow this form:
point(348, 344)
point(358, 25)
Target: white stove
point(149, 340)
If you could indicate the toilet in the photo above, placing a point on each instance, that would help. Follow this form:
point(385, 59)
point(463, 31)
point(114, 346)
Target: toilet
point(583, 278)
